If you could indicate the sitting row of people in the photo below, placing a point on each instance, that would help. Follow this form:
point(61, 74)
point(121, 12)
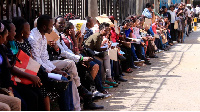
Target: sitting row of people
point(80, 58)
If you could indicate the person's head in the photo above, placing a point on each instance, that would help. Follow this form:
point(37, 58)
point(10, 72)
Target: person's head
point(171, 7)
point(164, 9)
point(126, 24)
point(165, 19)
point(45, 24)
point(69, 28)
point(184, 5)
point(112, 18)
point(59, 23)
point(141, 20)
point(3, 33)
point(22, 27)
point(90, 22)
point(104, 28)
point(11, 29)
point(180, 6)
point(148, 6)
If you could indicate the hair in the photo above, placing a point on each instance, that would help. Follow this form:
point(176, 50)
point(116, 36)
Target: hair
point(43, 20)
point(19, 24)
point(6, 23)
point(125, 21)
point(148, 5)
point(163, 7)
point(103, 25)
point(4, 30)
point(68, 26)
point(171, 6)
point(133, 19)
point(88, 19)
point(56, 19)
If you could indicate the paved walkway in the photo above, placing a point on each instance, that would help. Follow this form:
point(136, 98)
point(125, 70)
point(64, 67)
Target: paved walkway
point(171, 83)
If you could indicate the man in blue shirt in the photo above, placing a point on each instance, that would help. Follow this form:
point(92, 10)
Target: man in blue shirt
point(148, 11)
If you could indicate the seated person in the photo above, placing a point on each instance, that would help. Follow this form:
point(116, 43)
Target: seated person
point(39, 51)
point(94, 43)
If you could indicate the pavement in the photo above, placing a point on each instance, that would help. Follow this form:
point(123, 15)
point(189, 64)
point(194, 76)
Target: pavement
point(171, 83)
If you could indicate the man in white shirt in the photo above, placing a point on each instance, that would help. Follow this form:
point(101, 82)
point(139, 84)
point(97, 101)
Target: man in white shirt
point(173, 19)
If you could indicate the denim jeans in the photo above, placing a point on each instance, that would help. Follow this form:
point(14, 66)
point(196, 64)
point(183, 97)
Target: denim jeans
point(135, 58)
point(65, 100)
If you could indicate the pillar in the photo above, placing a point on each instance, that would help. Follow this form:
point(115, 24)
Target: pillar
point(139, 7)
point(92, 8)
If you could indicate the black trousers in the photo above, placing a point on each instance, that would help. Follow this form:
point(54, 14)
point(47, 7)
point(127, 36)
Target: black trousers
point(32, 97)
point(126, 63)
point(173, 32)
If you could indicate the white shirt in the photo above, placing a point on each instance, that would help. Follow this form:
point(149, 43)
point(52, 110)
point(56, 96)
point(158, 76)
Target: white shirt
point(193, 10)
point(197, 10)
point(65, 51)
point(173, 16)
point(39, 49)
point(188, 12)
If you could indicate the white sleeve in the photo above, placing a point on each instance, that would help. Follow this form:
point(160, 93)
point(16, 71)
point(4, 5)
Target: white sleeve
point(41, 57)
point(66, 52)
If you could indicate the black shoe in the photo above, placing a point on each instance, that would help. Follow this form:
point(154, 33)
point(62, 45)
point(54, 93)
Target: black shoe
point(123, 75)
point(147, 63)
point(154, 56)
point(92, 106)
point(83, 92)
point(121, 79)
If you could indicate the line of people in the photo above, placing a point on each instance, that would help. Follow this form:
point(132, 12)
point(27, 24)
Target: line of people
point(81, 57)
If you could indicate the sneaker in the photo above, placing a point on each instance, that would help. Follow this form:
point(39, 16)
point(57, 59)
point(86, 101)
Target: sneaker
point(136, 67)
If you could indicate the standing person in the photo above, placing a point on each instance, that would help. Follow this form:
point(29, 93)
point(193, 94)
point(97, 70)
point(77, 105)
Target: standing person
point(197, 11)
point(172, 20)
point(148, 12)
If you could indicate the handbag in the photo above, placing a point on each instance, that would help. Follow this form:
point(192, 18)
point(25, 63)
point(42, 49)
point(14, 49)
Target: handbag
point(176, 25)
point(26, 64)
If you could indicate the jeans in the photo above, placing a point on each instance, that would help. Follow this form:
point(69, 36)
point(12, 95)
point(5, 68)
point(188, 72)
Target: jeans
point(135, 58)
point(65, 100)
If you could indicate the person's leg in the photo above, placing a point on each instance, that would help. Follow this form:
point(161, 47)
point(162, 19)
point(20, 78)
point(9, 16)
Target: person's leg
point(29, 96)
point(98, 79)
point(135, 58)
point(64, 101)
point(103, 73)
point(4, 107)
point(13, 103)
point(70, 67)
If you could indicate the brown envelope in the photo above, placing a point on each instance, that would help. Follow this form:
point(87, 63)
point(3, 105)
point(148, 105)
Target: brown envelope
point(51, 37)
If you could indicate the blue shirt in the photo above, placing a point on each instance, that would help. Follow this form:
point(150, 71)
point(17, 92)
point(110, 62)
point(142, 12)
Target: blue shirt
point(88, 33)
point(147, 13)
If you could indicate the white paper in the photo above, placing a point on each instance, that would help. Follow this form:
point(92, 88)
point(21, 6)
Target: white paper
point(114, 44)
point(121, 52)
point(54, 76)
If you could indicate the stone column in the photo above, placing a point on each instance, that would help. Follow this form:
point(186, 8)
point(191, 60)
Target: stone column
point(139, 7)
point(92, 8)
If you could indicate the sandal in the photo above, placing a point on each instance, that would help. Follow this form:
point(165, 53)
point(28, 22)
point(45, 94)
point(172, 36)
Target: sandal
point(106, 86)
point(129, 70)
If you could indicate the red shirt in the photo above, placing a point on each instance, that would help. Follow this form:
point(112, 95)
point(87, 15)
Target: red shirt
point(154, 27)
point(114, 35)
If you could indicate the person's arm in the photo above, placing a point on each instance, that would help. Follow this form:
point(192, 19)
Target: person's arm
point(98, 45)
point(15, 71)
point(40, 56)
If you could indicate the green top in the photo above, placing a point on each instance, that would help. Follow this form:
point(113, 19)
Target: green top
point(94, 42)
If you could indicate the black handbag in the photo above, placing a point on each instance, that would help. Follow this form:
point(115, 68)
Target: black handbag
point(57, 85)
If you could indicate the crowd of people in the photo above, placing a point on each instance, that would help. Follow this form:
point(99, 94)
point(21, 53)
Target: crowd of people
point(76, 67)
